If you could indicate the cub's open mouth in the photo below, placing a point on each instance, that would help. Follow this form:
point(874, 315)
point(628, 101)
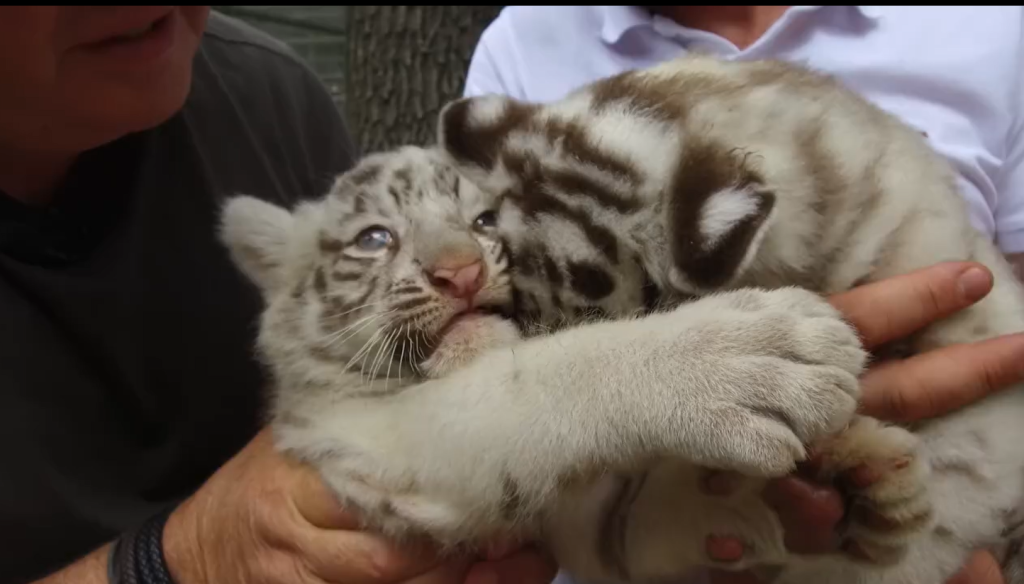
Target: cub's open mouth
point(459, 319)
point(464, 337)
point(476, 313)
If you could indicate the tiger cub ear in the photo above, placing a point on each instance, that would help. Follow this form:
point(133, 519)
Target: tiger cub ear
point(257, 234)
point(472, 129)
point(718, 215)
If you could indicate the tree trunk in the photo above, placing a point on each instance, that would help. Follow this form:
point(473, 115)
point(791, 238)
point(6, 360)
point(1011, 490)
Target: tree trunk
point(404, 63)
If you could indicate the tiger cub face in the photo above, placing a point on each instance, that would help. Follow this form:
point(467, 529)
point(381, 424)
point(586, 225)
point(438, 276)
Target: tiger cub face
point(374, 275)
point(576, 208)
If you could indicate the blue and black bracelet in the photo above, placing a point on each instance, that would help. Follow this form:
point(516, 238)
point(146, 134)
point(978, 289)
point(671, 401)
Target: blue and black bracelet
point(137, 557)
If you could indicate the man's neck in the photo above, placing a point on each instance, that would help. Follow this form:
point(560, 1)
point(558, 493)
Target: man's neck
point(740, 25)
point(32, 177)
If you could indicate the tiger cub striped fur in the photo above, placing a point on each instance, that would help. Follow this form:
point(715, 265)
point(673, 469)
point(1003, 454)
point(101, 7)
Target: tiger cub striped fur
point(700, 176)
point(397, 374)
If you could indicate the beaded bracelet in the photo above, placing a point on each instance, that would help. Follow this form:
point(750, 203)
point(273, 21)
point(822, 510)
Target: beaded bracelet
point(137, 557)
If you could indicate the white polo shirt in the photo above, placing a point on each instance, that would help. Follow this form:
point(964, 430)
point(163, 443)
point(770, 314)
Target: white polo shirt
point(954, 72)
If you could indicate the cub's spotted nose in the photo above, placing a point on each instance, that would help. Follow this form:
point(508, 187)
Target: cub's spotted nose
point(458, 278)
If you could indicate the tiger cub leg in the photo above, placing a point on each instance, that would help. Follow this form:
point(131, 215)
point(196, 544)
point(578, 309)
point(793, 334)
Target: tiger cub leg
point(658, 524)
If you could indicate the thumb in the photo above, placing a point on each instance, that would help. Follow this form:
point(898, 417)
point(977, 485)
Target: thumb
point(315, 502)
point(307, 491)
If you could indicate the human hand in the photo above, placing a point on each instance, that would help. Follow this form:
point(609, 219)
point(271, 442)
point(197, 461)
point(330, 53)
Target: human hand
point(936, 382)
point(263, 518)
point(926, 385)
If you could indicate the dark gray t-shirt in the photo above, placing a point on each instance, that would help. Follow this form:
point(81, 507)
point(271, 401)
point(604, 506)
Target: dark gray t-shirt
point(126, 343)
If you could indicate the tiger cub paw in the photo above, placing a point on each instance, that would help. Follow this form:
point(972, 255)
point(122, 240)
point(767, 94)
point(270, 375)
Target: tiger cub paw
point(885, 483)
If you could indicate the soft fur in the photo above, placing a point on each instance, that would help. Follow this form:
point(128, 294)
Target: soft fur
point(531, 439)
point(699, 210)
point(704, 175)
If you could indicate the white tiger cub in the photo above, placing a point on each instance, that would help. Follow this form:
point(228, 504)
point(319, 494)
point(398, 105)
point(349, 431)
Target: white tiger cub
point(390, 278)
point(701, 175)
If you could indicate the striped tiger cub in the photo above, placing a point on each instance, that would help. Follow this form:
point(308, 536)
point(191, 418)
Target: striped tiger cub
point(700, 176)
point(546, 325)
point(398, 374)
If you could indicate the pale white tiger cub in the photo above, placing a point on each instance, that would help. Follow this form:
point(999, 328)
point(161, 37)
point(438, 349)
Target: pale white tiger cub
point(393, 276)
point(699, 176)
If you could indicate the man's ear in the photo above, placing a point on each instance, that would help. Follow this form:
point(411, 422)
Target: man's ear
point(257, 234)
point(472, 129)
point(718, 216)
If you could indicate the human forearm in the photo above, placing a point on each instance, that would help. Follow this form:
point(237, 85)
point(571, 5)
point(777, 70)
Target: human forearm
point(91, 569)
point(165, 550)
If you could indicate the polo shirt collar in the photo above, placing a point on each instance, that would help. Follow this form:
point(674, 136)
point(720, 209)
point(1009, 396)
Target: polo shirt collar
point(616, 21)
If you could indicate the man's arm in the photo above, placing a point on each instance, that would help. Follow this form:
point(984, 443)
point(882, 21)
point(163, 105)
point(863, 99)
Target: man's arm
point(228, 532)
point(91, 569)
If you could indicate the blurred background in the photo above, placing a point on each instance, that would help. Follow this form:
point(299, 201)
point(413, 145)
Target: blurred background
point(390, 68)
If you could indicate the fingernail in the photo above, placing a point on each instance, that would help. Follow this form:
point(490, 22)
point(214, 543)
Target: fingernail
point(974, 283)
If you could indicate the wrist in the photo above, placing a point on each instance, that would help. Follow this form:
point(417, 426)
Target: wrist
point(182, 550)
point(137, 556)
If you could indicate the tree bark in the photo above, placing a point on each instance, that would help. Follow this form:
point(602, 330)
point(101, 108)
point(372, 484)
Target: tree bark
point(404, 63)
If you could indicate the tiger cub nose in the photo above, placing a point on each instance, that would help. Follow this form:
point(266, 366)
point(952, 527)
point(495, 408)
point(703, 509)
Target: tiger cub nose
point(458, 280)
